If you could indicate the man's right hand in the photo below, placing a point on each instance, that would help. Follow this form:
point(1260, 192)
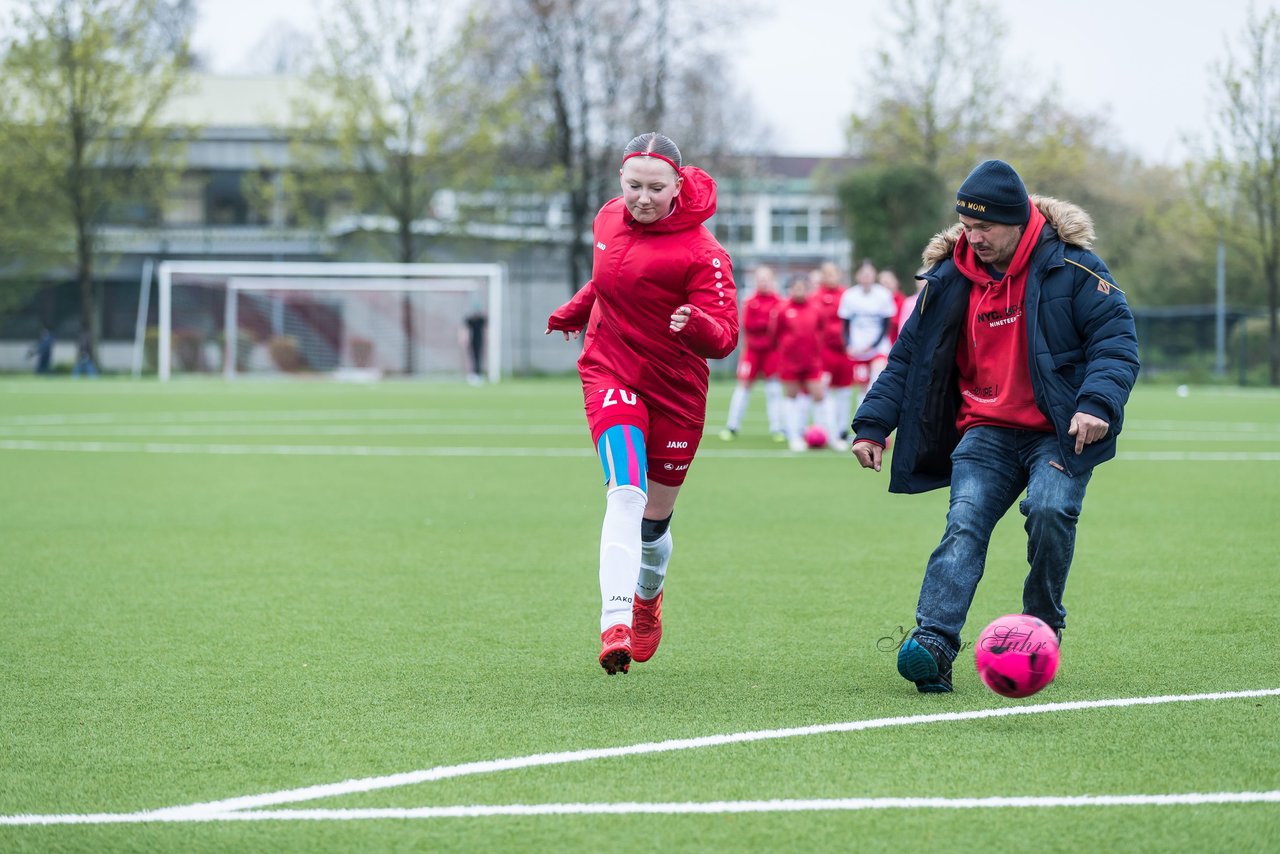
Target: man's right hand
point(868, 454)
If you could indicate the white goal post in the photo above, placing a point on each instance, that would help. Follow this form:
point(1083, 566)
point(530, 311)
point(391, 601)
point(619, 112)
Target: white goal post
point(352, 319)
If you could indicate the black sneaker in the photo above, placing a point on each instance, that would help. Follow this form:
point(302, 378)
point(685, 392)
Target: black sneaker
point(924, 662)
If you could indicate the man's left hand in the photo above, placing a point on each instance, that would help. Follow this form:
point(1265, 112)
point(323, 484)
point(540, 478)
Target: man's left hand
point(1087, 429)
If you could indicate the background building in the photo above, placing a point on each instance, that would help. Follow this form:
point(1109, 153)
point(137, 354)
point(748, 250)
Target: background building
point(230, 203)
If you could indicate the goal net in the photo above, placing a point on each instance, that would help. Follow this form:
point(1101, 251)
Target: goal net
point(342, 320)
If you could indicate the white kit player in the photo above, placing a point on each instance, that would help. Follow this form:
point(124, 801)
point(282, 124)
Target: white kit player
point(867, 311)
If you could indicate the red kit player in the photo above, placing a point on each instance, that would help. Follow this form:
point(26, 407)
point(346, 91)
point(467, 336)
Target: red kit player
point(661, 301)
point(759, 359)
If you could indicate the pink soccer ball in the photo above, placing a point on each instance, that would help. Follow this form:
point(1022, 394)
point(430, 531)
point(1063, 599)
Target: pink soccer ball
point(1017, 655)
point(815, 437)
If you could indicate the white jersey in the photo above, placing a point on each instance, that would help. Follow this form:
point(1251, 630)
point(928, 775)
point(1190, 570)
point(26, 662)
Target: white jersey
point(867, 313)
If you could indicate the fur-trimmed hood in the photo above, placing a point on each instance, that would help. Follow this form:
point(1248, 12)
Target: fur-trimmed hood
point(1073, 224)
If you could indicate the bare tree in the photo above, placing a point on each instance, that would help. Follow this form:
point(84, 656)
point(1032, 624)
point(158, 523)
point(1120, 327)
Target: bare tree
point(393, 117)
point(283, 49)
point(378, 78)
point(595, 74)
point(1246, 142)
point(930, 104)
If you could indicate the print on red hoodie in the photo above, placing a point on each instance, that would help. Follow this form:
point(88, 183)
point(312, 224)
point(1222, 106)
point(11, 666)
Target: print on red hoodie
point(995, 377)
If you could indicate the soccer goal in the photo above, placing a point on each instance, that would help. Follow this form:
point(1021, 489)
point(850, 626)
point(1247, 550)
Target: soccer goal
point(343, 320)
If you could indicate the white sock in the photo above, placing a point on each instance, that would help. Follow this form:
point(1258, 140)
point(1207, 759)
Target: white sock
point(654, 558)
point(824, 414)
point(797, 416)
point(841, 411)
point(738, 407)
point(620, 553)
point(773, 400)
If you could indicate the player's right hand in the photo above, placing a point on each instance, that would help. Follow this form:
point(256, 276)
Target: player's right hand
point(567, 333)
point(868, 454)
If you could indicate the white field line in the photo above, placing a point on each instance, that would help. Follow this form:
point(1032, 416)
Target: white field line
point(304, 430)
point(287, 450)
point(1154, 430)
point(1208, 426)
point(1242, 436)
point(230, 808)
point(225, 449)
point(252, 416)
point(652, 808)
point(299, 428)
point(1199, 456)
point(274, 387)
point(1162, 430)
point(781, 805)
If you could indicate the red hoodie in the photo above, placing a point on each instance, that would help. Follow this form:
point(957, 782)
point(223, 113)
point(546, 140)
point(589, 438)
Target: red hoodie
point(640, 274)
point(995, 377)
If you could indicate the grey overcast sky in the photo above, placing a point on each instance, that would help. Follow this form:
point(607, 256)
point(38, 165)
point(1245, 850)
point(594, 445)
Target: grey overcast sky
point(1144, 64)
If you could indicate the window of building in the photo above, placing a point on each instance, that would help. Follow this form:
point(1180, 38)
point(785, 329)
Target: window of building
point(224, 198)
point(184, 204)
point(732, 226)
point(830, 226)
point(789, 225)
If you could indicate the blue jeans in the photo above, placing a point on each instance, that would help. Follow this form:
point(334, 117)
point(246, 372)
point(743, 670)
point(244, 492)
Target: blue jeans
point(990, 468)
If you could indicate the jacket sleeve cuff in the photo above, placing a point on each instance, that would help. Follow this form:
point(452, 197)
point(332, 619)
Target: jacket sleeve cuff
point(1093, 406)
point(871, 433)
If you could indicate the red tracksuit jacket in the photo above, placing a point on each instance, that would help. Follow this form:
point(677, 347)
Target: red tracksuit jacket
point(641, 274)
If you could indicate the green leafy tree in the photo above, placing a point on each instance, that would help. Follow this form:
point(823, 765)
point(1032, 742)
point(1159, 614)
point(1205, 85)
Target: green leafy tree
point(931, 105)
point(1245, 129)
point(894, 210)
point(32, 238)
point(84, 84)
point(1145, 226)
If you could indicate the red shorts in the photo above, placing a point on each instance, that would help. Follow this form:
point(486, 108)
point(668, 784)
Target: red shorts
point(838, 365)
point(865, 372)
point(669, 447)
point(800, 372)
point(754, 364)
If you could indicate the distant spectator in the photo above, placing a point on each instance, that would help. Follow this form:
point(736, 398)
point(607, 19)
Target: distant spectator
point(85, 365)
point(473, 330)
point(43, 351)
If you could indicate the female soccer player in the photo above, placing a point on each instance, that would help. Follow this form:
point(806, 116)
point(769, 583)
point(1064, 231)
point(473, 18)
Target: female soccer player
point(660, 302)
point(799, 326)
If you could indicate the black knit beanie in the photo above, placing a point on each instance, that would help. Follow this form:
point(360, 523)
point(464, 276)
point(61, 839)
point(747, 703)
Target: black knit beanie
point(994, 192)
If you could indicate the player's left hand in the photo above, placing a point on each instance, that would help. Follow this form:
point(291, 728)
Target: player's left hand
point(1087, 429)
point(680, 317)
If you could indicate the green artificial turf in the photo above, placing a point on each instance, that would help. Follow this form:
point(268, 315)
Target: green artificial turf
point(214, 590)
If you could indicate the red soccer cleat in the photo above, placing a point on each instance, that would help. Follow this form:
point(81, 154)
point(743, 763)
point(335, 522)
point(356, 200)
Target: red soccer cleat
point(646, 618)
point(615, 652)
